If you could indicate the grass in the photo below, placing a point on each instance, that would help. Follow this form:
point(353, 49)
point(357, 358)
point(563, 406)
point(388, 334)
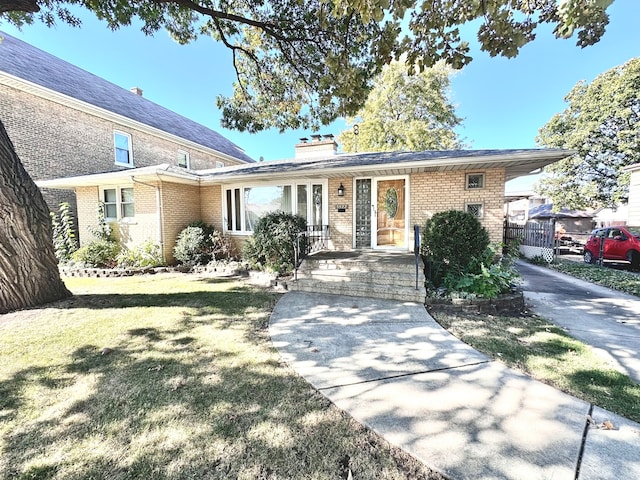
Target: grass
point(544, 351)
point(191, 388)
point(621, 280)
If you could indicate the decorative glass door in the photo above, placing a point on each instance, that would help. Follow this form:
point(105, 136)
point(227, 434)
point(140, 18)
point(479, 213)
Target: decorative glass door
point(363, 213)
point(390, 209)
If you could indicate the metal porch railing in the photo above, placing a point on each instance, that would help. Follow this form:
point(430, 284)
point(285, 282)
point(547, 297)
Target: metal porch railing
point(314, 239)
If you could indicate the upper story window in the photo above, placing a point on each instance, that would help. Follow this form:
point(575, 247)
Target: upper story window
point(475, 181)
point(122, 143)
point(118, 203)
point(219, 164)
point(183, 159)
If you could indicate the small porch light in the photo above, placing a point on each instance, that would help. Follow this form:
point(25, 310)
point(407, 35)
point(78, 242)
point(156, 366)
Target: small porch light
point(341, 190)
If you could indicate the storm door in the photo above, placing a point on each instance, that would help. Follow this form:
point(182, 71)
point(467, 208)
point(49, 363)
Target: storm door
point(390, 208)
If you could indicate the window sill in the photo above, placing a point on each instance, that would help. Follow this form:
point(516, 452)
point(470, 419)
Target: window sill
point(128, 165)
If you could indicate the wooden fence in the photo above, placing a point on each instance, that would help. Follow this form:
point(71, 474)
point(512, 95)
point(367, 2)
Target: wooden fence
point(531, 234)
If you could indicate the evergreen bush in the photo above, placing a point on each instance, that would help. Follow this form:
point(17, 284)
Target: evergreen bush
point(453, 243)
point(271, 247)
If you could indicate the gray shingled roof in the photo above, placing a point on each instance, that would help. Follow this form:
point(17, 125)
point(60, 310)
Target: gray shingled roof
point(22, 60)
point(517, 162)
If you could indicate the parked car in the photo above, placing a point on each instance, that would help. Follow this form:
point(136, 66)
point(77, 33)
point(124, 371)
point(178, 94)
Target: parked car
point(620, 243)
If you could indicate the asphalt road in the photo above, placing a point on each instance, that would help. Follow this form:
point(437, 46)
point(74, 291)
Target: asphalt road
point(607, 320)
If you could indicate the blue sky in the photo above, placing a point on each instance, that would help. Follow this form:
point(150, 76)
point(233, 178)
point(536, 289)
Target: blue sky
point(503, 101)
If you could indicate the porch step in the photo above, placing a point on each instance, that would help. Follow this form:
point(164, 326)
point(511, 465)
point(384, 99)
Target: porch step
point(359, 275)
point(355, 289)
point(370, 274)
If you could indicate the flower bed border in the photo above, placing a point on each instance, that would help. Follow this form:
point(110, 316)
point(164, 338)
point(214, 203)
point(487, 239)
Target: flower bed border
point(507, 304)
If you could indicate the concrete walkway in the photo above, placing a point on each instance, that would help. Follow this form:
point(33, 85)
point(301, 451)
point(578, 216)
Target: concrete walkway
point(394, 369)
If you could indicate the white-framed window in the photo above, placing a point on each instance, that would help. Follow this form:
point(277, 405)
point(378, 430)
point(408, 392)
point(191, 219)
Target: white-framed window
point(123, 150)
point(475, 181)
point(219, 164)
point(244, 205)
point(475, 209)
point(118, 203)
point(183, 159)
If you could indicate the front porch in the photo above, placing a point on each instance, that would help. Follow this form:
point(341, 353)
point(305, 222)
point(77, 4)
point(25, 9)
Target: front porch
point(362, 273)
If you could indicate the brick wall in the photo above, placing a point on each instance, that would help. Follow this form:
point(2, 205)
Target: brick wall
point(436, 192)
point(211, 206)
point(341, 223)
point(53, 140)
point(181, 206)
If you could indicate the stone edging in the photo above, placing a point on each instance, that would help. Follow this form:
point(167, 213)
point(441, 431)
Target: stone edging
point(505, 304)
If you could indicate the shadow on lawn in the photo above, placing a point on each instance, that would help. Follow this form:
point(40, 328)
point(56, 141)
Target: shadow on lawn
point(168, 403)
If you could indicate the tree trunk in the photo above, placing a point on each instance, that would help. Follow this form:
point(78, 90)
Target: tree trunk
point(29, 273)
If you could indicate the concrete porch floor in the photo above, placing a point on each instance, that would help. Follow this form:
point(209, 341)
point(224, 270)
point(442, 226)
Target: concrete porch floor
point(377, 257)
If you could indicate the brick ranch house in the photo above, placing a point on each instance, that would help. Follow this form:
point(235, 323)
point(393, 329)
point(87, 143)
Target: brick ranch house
point(65, 121)
point(363, 201)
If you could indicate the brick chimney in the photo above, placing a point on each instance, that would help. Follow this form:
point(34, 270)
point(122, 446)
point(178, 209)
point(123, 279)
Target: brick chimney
point(319, 146)
point(136, 90)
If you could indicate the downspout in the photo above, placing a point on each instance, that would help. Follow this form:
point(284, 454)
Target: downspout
point(158, 208)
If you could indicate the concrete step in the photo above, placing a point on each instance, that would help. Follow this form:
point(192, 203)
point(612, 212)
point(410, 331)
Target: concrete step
point(356, 289)
point(309, 264)
point(404, 279)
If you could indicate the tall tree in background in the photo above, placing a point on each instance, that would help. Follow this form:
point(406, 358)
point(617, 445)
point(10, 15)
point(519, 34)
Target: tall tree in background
point(602, 123)
point(304, 63)
point(28, 265)
point(405, 112)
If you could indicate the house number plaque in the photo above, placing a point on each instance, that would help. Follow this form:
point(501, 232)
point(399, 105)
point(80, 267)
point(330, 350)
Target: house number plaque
point(342, 208)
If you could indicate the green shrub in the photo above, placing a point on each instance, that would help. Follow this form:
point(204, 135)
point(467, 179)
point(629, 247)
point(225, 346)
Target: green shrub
point(453, 243)
point(64, 236)
point(146, 255)
point(199, 243)
point(489, 283)
point(271, 246)
point(98, 253)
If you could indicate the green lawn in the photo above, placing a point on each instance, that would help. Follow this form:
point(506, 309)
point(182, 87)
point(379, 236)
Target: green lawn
point(544, 351)
point(191, 389)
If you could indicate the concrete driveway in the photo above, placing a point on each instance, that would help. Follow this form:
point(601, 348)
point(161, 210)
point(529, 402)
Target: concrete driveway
point(606, 319)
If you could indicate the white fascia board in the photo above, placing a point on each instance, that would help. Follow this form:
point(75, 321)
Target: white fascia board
point(153, 173)
point(57, 97)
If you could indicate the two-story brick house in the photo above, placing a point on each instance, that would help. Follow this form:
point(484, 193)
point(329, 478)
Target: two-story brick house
point(65, 121)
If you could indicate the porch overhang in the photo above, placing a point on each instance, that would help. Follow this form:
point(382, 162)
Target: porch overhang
point(156, 173)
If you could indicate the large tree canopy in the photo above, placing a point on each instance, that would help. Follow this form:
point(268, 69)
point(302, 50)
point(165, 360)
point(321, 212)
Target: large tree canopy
point(405, 112)
point(602, 123)
point(303, 63)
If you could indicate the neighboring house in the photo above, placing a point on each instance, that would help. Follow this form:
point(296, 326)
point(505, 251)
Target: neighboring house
point(518, 204)
point(361, 201)
point(570, 222)
point(64, 121)
point(634, 195)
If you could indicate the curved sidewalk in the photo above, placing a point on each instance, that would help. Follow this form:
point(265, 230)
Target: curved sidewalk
point(394, 369)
